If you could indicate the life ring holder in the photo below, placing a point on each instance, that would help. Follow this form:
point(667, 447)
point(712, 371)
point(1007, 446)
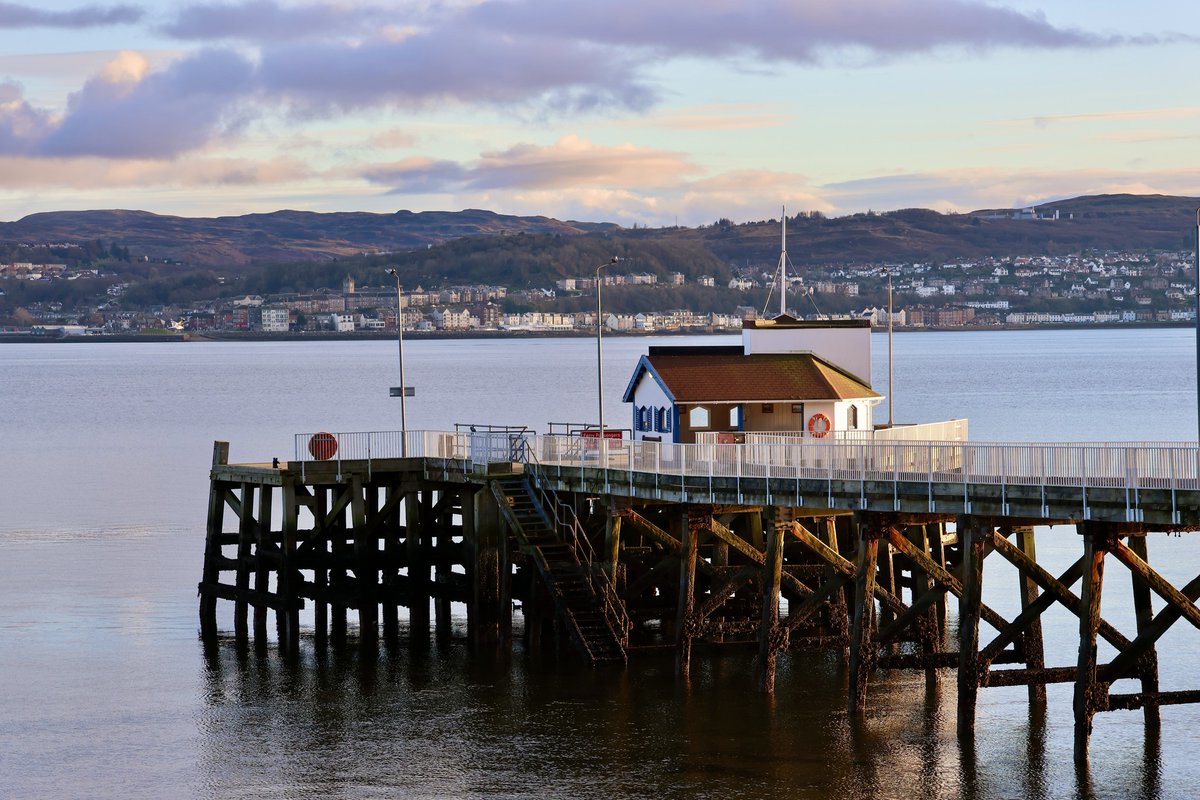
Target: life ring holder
point(323, 446)
point(819, 425)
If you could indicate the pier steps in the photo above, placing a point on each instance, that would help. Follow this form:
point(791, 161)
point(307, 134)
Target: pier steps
point(580, 607)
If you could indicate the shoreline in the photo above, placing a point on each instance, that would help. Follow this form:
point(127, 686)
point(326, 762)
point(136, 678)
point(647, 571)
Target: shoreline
point(324, 336)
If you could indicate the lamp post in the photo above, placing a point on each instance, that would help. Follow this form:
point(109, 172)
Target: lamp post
point(600, 346)
point(891, 392)
point(401, 390)
point(1198, 322)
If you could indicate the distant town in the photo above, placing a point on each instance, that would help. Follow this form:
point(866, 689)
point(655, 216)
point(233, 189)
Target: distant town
point(994, 292)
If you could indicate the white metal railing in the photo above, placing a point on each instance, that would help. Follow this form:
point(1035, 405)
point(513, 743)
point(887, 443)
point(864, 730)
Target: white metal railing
point(1129, 465)
point(951, 430)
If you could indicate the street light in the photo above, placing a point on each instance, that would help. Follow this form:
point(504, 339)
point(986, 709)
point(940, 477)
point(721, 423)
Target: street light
point(1198, 322)
point(401, 391)
point(891, 392)
point(599, 346)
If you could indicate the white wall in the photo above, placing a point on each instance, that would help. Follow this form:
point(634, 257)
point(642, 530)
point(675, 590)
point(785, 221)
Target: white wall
point(649, 393)
point(848, 348)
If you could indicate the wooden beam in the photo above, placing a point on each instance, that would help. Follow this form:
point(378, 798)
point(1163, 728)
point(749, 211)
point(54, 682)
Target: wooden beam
point(1091, 695)
point(862, 646)
point(1161, 586)
point(843, 567)
point(653, 531)
point(770, 636)
point(1129, 657)
point(739, 544)
point(824, 593)
point(687, 592)
point(971, 670)
point(942, 576)
point(1032, 644)
point(1021, 623)
point(721, 593)
point(1062, 593)
point(1143, 612)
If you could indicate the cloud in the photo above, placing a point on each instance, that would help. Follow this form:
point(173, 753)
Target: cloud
point(785, 30)
point(265, 20)
point(90, 173)
point(128, 112)
point(20, 123)
point(569, 162)
point(15, 15)
point(715, 117)
point(1045, 121)
point(532, 58)
point(448, 65)
point(973, 189)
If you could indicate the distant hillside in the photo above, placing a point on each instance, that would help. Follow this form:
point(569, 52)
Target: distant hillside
point(1102, 222)
point(279, 236)
point(489, 247)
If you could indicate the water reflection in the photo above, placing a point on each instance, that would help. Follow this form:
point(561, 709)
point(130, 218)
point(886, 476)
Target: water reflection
point(443, 722)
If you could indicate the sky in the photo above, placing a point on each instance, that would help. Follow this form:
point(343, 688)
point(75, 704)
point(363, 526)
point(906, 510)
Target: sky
point(646, 112)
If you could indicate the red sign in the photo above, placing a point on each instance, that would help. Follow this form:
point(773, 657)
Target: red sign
point(608, 434)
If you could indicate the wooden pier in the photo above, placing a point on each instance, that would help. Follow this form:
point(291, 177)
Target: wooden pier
point(619, 548)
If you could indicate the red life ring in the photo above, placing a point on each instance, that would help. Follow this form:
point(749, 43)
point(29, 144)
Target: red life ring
point(323, 446)
point(819, 425)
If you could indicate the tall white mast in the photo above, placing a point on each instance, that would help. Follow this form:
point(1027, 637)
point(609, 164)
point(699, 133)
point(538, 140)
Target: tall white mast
point(783, 263)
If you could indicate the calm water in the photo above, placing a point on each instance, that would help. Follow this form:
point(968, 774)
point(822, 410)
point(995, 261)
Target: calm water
point(107, 692)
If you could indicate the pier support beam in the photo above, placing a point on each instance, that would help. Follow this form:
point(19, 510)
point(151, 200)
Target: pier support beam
point(1144, 614)
point(366, 568)
point(1032, 644)
point(929, 638)
point(862, 643)
point(416, 517)
point(489, 572)
point(972, 536)
point(245, 545)
point(690, 526)
point(390, 579)
point(771, 634)
point(1090, 694)
point(211, 574)
point(290, 579)
point(321, 566)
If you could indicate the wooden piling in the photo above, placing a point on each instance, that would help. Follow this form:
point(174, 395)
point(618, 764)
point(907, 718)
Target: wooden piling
point(769, 642)
point(368, 555)
point(1144, 614)
point(322, 549)
point(416, 513)
point(490, 616)
point(211, 573)
point(972, 539)
point(287, 615)
point(862, 644)
point(1032, 644)
point(1090, 694)
point(687, 590)
point(262, 568)
point(245, 547)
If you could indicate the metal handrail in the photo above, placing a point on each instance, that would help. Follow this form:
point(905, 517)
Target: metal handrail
point(1129, 465)
point(565, 519)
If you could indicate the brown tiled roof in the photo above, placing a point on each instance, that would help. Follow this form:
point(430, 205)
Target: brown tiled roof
point(765, 377)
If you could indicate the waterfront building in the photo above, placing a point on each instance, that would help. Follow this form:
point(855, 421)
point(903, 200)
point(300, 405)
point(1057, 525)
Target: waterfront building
point(788, 376)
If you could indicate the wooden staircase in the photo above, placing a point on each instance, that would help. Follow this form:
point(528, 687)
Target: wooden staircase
point(585, 603)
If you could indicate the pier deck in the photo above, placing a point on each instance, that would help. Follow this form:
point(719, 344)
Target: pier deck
point(622, 545)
